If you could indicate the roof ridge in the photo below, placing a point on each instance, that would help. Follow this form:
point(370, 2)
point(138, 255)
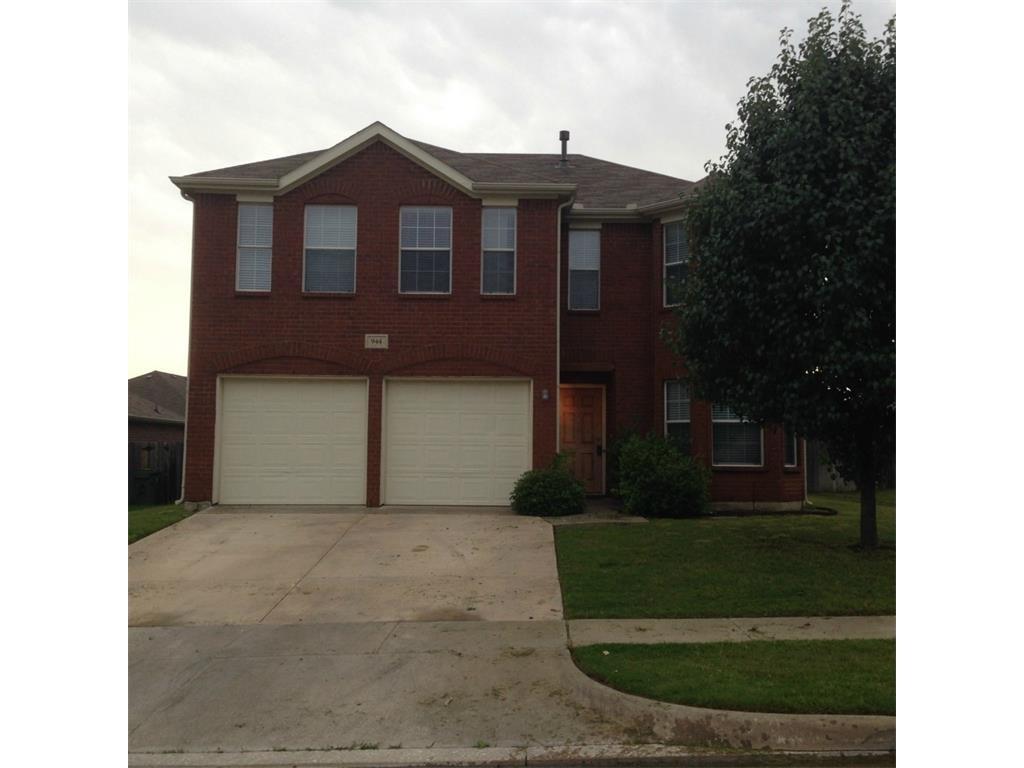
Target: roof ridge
point(162, 373)
point(428, 147)
point(483, 155)
point(635, 168)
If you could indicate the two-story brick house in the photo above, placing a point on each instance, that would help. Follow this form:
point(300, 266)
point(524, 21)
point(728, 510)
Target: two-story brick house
point(390, 322)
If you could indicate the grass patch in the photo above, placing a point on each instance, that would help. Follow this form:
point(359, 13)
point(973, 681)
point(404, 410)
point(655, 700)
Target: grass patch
point(778, 565)
point(143, 521)
point(841, 677)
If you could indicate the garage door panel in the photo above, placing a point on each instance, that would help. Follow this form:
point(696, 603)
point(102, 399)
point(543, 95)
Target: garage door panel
point(476, 458)
point(317, 456)
point(440, 425)
point(293, 441)
point(479, 425)
point(477, 490)
point(436, 459)
point(403, 458)
point(346, 427)
point(507, 459)
point(455, 442)
point(511, 400)
point(349, 459)
point(510, 426)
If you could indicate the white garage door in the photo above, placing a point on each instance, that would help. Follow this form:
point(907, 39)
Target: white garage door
point(292, 441)
point(455, 442)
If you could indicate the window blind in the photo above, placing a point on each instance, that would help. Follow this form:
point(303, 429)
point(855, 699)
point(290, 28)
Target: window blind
point(330, 249)
point(734, 441)
point(677, 414)
point(498, 268)
point(255, 240)
point(584, 269)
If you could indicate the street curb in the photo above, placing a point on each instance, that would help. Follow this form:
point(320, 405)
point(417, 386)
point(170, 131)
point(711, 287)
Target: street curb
point(656, 721)
point(603, 756)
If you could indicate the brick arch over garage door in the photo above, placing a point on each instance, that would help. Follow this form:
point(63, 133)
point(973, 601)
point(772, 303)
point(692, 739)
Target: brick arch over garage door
point(435, 358)
point(454, 359)
point(341, 361)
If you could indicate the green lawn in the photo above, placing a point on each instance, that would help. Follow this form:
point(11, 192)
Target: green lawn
point(143, 521)
point(796, 676)
point(776, 565)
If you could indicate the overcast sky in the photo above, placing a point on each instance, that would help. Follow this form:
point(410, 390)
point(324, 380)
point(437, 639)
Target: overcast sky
point(215, 84)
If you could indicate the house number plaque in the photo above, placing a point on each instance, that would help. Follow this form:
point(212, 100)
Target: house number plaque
point(375, 341)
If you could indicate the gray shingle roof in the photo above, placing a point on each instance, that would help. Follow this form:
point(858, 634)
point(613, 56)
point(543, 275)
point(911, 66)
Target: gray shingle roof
point(157, 396)
point(600, 183)
point(265, 169)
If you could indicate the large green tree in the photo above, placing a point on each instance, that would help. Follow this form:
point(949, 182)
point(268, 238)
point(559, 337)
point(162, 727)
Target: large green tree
point(789, 313)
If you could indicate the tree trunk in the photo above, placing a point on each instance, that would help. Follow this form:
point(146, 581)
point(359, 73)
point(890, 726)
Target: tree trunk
point(867, 451)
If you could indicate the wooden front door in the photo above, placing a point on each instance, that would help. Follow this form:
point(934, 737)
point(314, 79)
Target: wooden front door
point(582, 427)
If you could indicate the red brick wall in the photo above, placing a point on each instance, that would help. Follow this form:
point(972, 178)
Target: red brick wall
point(619, 334)
point(462, 334)
point(624, 336)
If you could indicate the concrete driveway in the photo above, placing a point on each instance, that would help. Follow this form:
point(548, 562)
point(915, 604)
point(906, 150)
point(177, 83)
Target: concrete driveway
point(298, 567)
point(296, 630)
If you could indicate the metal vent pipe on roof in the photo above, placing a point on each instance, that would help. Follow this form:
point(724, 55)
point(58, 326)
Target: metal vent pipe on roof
point(563, 136)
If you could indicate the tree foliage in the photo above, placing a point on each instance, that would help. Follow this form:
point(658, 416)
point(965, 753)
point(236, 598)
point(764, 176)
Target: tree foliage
point(789, 311)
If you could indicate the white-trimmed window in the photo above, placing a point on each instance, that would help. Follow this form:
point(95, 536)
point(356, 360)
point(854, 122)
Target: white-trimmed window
point(584, 269)
point(792, 448)
point(677, 256)
point(329, 264)
point(735, 441)
point(677, 414)
point(498, 261)
point(425, 260)
point(255, 238)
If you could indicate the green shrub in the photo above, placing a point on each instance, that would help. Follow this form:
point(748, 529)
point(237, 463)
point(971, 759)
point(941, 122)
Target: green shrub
point(657, 480)
point(615, 443)
point(549, 492)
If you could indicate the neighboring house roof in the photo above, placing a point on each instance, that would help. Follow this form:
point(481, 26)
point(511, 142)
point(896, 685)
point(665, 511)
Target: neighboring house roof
point(157, 396)
point(597, 184)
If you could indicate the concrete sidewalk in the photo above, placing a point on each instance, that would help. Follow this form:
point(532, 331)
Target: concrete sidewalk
point(356, 686)
point(601, 755)
point(593, 631)
point(370, 686)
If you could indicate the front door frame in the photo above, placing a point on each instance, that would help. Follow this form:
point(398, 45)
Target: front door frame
point(604, 428)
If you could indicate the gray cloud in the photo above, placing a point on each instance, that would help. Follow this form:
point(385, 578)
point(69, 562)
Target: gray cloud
point(216, 84)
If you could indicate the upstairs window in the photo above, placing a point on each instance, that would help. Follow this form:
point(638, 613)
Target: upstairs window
point(426, 250)
point(498, 266)
point(735, 441)
point(255, 237)
point(330, 249)
point(677, 414)
point(677, 255)
point(584, 269)
point(791, 448)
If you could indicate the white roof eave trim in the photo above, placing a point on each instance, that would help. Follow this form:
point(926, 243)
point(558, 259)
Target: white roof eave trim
point(355, 142)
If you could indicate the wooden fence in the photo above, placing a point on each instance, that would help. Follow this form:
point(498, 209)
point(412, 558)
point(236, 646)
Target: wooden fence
point(154, 472)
